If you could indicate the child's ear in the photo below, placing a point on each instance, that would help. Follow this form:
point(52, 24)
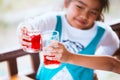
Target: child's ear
point(66, 3)
point(100, 18)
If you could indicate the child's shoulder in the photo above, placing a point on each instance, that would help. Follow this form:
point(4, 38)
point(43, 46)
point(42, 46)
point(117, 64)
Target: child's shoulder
point(108, 29)
point(51, 14)
point(44, 17)
point(103, 25)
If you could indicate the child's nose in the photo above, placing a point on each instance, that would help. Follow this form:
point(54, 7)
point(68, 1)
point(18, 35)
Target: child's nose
point(84, 15)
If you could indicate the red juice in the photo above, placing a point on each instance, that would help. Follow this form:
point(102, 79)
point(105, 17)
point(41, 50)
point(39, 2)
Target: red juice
point(35, 41)
point(51, 63)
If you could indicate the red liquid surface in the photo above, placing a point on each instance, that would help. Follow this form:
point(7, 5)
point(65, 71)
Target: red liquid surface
point(49, 62)
point(35, 42)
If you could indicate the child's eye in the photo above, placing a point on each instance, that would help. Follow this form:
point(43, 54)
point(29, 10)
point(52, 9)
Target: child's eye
point(93, 12)
point(80, 7)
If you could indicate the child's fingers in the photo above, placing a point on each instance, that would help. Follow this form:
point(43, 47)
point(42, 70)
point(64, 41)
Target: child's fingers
point(54, 56)
point(24, 43)
point(56, 45)
point(24, 30)
point(53, 49)
point(47, 49)
point(25, 38)
point(58, 56)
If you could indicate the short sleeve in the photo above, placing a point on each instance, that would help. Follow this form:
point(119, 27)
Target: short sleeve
point(42, 23)
point(109, 43)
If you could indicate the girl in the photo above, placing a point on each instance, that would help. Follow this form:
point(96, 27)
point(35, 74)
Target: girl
point(79, 32)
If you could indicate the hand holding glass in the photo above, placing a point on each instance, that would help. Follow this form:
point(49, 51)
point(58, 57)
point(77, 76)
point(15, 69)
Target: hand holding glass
point(30, 40)
point(46, 38)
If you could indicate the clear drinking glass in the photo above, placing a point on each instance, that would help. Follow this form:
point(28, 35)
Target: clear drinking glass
point(46, 38)
point(30, 38)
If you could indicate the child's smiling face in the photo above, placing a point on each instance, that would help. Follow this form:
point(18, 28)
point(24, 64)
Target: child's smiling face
point(81, 14)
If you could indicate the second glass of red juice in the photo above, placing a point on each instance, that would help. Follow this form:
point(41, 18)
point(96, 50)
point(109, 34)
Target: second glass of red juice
point(33, 40)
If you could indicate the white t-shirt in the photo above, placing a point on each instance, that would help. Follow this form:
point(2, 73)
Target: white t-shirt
point(70, 35)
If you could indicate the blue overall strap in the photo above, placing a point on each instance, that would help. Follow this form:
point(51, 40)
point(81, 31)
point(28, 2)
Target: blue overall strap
point(82, 73)
point(93, 44)
point(59, 26)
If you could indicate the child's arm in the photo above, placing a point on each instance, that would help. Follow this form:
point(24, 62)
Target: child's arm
point(95, 62)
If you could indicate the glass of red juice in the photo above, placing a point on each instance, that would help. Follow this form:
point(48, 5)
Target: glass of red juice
point(33, 40)
point(47, 36)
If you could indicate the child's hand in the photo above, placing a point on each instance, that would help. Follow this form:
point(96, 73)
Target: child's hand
point(57, 50)
point(24, 39)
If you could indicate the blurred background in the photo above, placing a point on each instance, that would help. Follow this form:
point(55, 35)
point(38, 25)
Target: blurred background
point(12, 12)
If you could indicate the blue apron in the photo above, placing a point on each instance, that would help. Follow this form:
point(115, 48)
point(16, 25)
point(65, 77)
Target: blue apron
point(77, 72)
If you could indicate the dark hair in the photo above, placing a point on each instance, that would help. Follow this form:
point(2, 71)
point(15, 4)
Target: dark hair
point(104, 8)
